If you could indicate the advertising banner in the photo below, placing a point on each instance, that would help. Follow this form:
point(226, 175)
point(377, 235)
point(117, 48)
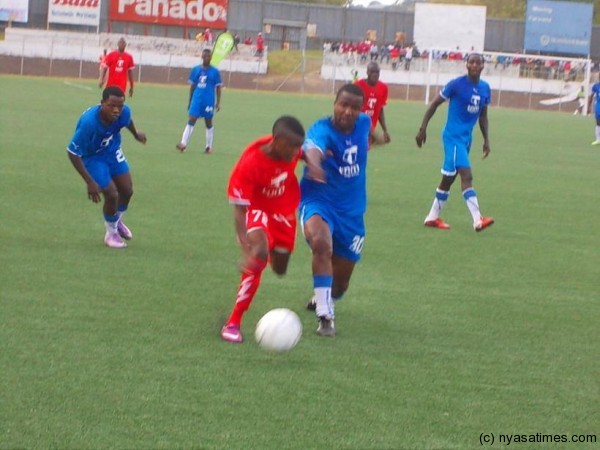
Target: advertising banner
point(14, 11)
point(75, 12)
point(558, 27)
point(186, 13)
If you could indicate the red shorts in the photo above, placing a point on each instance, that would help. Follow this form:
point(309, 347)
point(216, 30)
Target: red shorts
point(280, 229)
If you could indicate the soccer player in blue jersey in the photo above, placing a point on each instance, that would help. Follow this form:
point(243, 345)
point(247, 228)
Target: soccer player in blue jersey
point(95, 152)
point(334, 200)
point(205, 99)
point(469, 97)
point(595, 94)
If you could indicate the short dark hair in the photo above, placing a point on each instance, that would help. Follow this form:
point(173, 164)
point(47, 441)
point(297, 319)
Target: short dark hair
point(479, 55)
point(288, 124)
point(112, 90)
point(351, 89)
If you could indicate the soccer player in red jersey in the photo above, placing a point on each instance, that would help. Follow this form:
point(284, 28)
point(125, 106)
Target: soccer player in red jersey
point(265, 193)
point(119, 65)
point(376, 96)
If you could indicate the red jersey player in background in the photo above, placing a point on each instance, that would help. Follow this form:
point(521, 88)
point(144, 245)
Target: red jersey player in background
point(376, 96)
point(119, 65)
point(265, 193)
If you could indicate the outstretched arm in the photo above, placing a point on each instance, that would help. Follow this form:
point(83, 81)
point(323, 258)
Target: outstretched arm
point(138, 135)
point(102, 76)
point(312, 158)
point(422, 134)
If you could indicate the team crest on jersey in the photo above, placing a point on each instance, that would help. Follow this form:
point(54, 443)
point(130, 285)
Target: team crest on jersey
point(349, 157)
point(277, 187)
point(473, 107)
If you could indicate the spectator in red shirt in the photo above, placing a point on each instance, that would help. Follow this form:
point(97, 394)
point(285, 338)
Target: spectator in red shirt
point(119, 65)
point(260, 45)
point(375, 98)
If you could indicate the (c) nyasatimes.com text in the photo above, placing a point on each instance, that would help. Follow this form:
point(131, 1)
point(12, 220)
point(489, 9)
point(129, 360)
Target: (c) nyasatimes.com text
point(540, 438)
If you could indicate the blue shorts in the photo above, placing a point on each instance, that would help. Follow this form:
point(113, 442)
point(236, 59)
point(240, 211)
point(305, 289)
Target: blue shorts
point(348, 232)
point(106, 165)
point(456, 155)
point(199, 108)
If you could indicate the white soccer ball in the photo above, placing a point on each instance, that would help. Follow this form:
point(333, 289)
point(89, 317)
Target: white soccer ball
point(279, 330)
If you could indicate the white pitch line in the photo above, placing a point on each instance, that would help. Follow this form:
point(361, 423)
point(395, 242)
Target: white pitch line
point(79, 86)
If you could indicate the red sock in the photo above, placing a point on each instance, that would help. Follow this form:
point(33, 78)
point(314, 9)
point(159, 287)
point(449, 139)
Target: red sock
point(249, 283)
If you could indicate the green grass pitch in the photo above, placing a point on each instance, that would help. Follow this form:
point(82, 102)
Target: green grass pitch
point(442, 336)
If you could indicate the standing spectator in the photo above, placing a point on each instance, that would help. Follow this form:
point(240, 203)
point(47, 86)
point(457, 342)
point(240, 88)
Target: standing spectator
point(334, 200)
point(260, 45)
point(96, 154)
point(374, 51)
point(395, 56)
point(119, 65)
point(264, 192)
point(236, 41)
point(469, 98)
point(408, 56)
point(375, 98)
point(209, 37)
point(205, 99)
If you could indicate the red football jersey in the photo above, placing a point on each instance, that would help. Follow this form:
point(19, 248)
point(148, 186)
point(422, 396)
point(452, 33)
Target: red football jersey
point(263, 183)
point(118, 65)
point(375, 99)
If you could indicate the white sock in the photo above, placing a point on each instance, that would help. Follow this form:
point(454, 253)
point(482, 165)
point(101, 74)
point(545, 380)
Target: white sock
point(210, 133)
point(438, 203)
point(187, 134)
point(597, 132)
point(473, 204)
point(324, 303)
point(111, 227)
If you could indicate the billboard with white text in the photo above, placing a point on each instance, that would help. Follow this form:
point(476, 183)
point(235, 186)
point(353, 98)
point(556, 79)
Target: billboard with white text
point(186, 13)
point(75, 12)
point(558, 27)
point(14, 11)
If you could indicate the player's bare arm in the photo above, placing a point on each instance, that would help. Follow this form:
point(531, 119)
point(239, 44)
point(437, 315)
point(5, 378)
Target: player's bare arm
point(93, 189)
point(312, 157)
point(138, 135)
point(484, 126)
point(422, 134)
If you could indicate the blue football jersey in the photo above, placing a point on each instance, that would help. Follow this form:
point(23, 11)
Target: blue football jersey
point(344, 162)
point(92, 136)
point(205, 80)
point(466, 101)
point(596, 94)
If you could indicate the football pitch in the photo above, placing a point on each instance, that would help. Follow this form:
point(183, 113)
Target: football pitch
point(445, 338)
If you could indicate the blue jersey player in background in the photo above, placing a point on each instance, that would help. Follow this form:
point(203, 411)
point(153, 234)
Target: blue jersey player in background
point(334, 200)
point(469, 98)
point(595, 94)
point(205, 99)
point(95, 152)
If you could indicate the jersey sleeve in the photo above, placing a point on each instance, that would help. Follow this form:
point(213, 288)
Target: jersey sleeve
point(316, 137)
point(81, 138)
point(193, 78)
point(448, 91)
point(241, 186)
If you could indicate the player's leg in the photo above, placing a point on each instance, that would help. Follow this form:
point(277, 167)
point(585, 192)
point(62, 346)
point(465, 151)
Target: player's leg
point(282, 238)
point(318, 234)
point(597, 129)
point(121, 177)
point(210, 132)
point(443, 190)
point(99, 169)
point(188, 130)
point(470, 196)
point(252, 269)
